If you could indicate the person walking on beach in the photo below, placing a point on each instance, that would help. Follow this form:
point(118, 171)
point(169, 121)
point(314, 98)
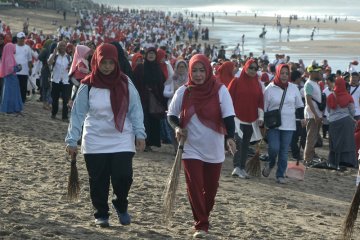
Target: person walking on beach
point(79, 69)
point(355, 93)
point(11, 101)
point(340, 105)
point(206, 117)
point(110, 108)
point(45, 75)
point(313, 115)
point(23, 56)
point(149, 81)
point(60, 85)
point(247, 96)
point(281, 94)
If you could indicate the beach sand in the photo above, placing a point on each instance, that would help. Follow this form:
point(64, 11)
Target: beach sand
point(34, 178)
point(33, 181)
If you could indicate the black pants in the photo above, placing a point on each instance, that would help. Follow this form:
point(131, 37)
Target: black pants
point(101, 168)
point(63, 90)
point(242, 146)
point(295, 147)
point(23, 81)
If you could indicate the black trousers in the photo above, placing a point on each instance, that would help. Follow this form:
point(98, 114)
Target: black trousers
point(23, 81)
point(242, 146)
point(102, 168)
point(63, 90)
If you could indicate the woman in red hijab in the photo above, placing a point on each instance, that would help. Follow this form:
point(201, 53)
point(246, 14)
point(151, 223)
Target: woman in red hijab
point(279, 138)
point(226, 72)
point(136, 59)
point(109, 108)
point(206, 118)
point(248, 99)
point(341, 110)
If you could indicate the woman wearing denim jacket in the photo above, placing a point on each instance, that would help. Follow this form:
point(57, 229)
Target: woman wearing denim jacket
point(112, 116)
point(279, 138)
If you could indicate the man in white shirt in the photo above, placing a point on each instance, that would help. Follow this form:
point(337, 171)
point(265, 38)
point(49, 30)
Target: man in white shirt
point(23, 56)
point(312, 113)
point(59, 61)
point(355, 93)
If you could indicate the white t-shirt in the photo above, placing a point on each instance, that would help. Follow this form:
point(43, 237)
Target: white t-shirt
point(356, 97)
point(292, 101)
point(312, 88)
point(99, 135)
point(23, 56)
point(203, 143)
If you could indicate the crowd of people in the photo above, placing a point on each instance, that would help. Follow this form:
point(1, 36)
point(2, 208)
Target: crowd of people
point(134, 80)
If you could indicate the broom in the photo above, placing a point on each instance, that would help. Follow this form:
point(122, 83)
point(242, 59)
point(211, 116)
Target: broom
point(172, 183)
point(351, 216)
point(253, 166)
point(73, 188)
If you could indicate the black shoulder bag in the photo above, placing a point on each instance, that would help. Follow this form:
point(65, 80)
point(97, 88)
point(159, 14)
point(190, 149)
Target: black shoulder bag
point(272, 119)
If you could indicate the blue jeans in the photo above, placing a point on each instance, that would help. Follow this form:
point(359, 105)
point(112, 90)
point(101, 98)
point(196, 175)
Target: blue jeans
point(278, 146)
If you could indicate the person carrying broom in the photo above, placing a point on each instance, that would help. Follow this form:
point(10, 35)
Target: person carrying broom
point(109, 106)
point(206, 117)
point(247, 96)
point(279, 138)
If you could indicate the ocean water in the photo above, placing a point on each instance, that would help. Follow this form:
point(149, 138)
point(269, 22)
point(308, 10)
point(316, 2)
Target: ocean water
point(320, 8)
point(229, 33)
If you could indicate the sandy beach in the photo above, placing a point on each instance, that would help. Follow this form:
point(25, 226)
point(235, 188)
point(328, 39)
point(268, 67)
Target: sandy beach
point(33, 180)
point(33, 186)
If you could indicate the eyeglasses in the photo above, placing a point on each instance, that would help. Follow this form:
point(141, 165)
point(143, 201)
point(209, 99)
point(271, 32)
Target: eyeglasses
point(253, 68)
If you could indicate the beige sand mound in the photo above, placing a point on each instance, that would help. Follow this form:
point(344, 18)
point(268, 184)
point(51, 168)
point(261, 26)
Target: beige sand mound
point(33, 178)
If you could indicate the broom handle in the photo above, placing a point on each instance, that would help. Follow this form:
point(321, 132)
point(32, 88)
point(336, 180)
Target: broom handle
point(181, 143)
point(73, 158)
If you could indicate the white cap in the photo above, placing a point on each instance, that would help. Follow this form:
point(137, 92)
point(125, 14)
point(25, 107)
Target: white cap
point(20, 35)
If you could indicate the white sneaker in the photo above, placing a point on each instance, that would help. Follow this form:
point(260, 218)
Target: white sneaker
point(236, 172)
point(281, 180)
point(102, 222)
point(245, 174)
point(241, 173)
point(200, 234)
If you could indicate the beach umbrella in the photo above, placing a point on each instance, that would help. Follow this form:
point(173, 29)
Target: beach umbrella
point(351, 216)
point(73, 188)
point(172, 183)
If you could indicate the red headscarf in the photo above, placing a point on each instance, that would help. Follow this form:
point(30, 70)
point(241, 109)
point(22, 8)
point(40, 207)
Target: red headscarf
point(160, 57)
point(116, 82)
point(340, 96)
point(134, 60)
point(277, 80)
point(202, 99)
point(226, 72)
point(247, 95)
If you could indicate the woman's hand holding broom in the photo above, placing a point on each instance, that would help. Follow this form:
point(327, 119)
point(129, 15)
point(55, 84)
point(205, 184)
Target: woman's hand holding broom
point(71, 150)
point(180, 133)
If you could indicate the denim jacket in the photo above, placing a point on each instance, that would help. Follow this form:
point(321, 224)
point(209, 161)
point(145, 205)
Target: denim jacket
point(81, 107)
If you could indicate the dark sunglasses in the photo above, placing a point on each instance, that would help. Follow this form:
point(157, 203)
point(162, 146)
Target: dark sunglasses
point(253, 68)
